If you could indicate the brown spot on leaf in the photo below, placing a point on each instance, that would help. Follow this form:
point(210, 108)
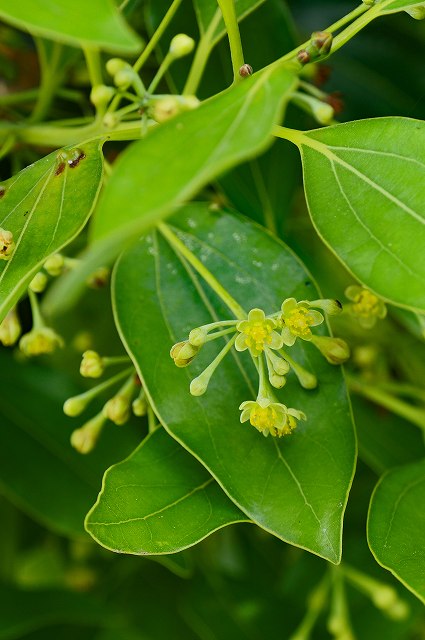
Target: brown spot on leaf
point(60, 168)
point(2, 192)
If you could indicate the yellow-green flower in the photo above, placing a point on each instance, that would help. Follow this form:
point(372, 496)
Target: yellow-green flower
point(39, 341)
point(297, 319)
point(270, 417)
point(256, 333)
point(366, 306)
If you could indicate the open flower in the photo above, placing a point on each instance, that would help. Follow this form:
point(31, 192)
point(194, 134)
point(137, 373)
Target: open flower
point(256, 333)
point(270, 417)
point(297, 319)
point(366, 306)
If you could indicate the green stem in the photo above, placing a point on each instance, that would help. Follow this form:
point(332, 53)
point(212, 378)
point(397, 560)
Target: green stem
point(7, 145)
point(231, 21)
point(151, 419)
point(157, 35)
point(203, 51)
point(104, 386)
point(316, 603)
point(388, 401)
point(181, 248)
point(51, 77)
point(403, 389)
point(94, 68)
point(163, 67)
point(219, 334)
point(269, 218)
point(37, 318)
point(116, 360)
point(355, 27)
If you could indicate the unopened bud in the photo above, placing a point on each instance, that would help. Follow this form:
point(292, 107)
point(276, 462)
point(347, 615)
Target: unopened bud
point(306, 379)
point(10, 329)
point(110, 121)
point(183, 353)
point(117, 409)
point(277, 381)
point(384, 597)
point(74, 406)
point(199, 385)
point(39, 282)
point(321, 43)
point(246, 70)
point(140, 405)
point(101, 94)
point(7, 245)
point(40, 341)
point(303, 57)
point(335, 350)
point(54, 265)
point(99, 278)
point(198, 336)
point(92, 365)
point(124, 78)
point(181, 45)
point(85, 438)
point(114, 65)
point(165, 109)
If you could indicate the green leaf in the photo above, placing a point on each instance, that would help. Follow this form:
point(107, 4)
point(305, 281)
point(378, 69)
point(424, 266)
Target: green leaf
point(378, 432)
point(393, 6)
point(97, 23)
point(159, 500)
point(207, 9)
point(45, 206)
point(39, 470)
point(295, 488)
point(157, 174)
point(396, 525)
point(363, 187)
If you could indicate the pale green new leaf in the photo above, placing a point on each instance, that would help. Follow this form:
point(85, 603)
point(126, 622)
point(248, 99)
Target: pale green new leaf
point(393, 6)
point(159, 173)
point(45, 206)
point(396, 525)
point(159, 500)
point(364, 188)
point(206, 11)
point(94, 22)
point(296, 487)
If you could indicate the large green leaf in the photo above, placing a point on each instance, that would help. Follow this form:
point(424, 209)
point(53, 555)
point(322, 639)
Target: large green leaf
point(295, 488)
point(39, 470)
point(157, 174)
point(45, 206)
point(97, 22)
point(159, 500)
point(396, 525)
point(363, 183)
point(206, 11)
point(393, 6)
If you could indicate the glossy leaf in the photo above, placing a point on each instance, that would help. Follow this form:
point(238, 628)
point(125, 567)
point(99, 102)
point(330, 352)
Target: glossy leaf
point(159, 500)
point(157, 174)
point(393, 6)
point(396, 525)
point(45, 206)
point(363, 187)
point(97, 22)
point(206, 11)
point(295, 488)
point(39, 470)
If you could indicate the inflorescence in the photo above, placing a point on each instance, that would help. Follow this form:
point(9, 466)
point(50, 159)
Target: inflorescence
point(265, 337)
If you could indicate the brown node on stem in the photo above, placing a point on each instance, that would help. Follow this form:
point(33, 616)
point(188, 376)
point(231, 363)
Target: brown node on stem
point(246, 70)
point(303, 56)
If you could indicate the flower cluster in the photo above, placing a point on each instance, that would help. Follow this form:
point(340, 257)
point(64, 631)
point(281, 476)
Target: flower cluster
point(265, 337)
point(365, 306)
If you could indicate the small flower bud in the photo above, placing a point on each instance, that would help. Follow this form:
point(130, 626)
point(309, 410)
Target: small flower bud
point(10, 329)
point(181, 45)
point(101, 94)
point(114, 65)
point(303, 56)
point(92, 365)
point(110, 121)
point(198, 336)
point(74, 406)
point(246, 70)
point(384, 597)
point(54, 265)
point(277, 381)
point(85, 438)
point(7, 245)
point(99, 278)
point(183, 353)
point(306, 379)
point(117, 409)
point(164, 109)
point(321, 43)
point(199, 385)
point(40, 341)
point(335, 350)
point(39, 282)
point(140, 405)
point(124, 78)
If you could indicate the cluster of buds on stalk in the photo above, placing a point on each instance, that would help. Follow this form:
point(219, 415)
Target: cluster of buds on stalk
point(129, 398)
point(265, 337)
